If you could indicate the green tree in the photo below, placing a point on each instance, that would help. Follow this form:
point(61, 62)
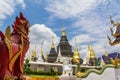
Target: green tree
point(26, 66)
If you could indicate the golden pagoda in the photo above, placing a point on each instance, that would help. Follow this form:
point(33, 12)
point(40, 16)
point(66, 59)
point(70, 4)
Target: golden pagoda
point(92, 53)
point(76, 54)
point(93, 59)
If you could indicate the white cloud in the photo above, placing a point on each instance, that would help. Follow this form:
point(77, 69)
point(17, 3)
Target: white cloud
point(70, 8)
point(21, 2)
point(7, 7)
point(40, 33)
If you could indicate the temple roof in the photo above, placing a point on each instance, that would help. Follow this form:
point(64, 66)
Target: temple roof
point(111, 55)
point(115, 32)
point(64, 45)
point(52, 56)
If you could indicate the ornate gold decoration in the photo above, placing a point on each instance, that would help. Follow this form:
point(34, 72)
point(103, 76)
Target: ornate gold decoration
point(21, 47)
point(92, 53)
point(13, 59)
point(6, 77)
point(113, 61)
point(7, 42)
point(9, 46)
point(52, 42)
point(115, 35)
point(106, 53)
point(76, 55)
point(63, 31)
point(116, 62)
point(7, 33)
point(80, 74)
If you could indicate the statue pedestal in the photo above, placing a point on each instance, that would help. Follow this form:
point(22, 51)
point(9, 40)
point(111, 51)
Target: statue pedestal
point(67, 77)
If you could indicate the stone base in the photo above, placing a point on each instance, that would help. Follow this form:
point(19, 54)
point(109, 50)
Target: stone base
point(67, 77)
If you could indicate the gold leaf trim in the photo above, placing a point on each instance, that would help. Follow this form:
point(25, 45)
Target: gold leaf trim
point(12, 61)
point(8, 44)
point(6, 77)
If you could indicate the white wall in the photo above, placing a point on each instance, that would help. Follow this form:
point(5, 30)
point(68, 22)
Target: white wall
point(108, 74)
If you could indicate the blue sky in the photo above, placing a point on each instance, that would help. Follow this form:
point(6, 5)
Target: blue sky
point(84, 20)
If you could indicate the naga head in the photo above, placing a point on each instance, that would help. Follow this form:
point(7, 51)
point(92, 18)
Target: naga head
point(21, 26)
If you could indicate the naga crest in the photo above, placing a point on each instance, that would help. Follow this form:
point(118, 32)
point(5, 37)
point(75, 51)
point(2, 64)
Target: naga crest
point(21, 26)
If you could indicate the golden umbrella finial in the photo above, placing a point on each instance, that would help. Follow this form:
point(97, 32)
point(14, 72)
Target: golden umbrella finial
point(63, 31)
point(106, 53)
point(53, 42)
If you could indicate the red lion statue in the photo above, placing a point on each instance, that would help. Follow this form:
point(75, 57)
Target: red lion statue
point(13, 47)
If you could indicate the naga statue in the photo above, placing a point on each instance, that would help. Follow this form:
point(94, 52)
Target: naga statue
point(13, 47)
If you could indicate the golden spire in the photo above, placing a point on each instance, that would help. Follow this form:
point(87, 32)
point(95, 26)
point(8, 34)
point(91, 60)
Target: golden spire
point(102, 63)
point(52, 42)
point(41, 51)
point(34, 52)
point(92, 53)
point(76, 55)
point(63, 31)
point(106, 53)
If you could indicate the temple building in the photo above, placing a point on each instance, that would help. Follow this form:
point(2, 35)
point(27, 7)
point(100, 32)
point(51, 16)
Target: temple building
point(56, 58)
point(64, 49)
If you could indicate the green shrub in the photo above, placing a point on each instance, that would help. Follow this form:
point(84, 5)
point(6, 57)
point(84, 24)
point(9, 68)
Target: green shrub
point(49, 73)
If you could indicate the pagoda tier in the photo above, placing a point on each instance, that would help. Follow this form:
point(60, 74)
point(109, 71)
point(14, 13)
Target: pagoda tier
point(115, 31)
point(52, 57)
point(64, 45)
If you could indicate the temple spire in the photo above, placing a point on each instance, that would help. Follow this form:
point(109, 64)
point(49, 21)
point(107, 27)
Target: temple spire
point(52, 46)
point(102, 63)
point(34, 52)
point(106, 53)
point(59, 60)
point(92, 53)
point(76, 55)
point(63, 31)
